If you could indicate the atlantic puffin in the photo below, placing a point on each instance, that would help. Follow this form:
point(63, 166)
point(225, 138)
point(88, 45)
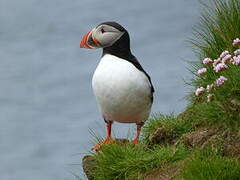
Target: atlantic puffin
point(123, 89)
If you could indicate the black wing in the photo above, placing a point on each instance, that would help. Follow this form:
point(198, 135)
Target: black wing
point(135, 62)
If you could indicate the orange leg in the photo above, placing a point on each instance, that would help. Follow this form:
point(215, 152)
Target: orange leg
point(139, 127)
point(107, 140)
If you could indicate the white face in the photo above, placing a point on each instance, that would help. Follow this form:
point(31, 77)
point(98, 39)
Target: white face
point(106, 35)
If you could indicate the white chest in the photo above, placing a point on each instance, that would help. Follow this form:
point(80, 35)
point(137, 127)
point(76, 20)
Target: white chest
point(122, 91)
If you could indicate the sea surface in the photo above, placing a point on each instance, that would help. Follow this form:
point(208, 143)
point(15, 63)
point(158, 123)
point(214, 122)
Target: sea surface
point(47, 108)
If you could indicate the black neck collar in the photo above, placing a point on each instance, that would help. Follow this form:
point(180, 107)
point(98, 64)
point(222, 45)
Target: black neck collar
point(121, 48)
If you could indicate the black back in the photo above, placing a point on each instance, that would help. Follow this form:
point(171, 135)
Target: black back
point(121, 49)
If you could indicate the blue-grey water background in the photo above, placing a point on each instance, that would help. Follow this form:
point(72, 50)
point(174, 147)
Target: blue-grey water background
point(46, 102)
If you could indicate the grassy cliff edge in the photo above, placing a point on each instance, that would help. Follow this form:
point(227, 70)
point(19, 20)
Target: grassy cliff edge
point(203, 142)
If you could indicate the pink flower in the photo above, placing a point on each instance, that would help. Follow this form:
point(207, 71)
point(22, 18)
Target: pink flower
point(236, 42)
point(237, 52)
point(236, 60)
point(220, 67)
point(216, 61)
point(221, 80)
point(209, 97)
point(224, 53)
point(202, 71)
point(207, 61)
point(210, 87)
point(226, 58)
point(199, 91)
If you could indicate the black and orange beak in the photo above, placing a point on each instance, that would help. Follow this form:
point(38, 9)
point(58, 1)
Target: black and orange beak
point(89, 42)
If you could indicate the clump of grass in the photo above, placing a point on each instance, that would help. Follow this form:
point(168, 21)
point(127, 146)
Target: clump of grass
point(209, 114)
point(218, 26)
point(208, 165)
point(170, 124)
point(131, 162)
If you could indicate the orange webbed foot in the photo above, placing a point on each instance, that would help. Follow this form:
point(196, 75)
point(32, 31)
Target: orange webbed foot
point(139, 126)
point(135, 141)
point(107, 140)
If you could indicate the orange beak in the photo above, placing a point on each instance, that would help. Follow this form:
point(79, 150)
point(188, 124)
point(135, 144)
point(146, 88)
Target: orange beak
point(89, 42)
point(84, 41)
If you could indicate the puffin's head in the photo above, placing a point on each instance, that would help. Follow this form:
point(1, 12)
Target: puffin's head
point(104, 35)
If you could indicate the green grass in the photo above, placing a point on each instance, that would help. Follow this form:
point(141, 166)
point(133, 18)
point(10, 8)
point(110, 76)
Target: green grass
point(219, 26)
point(120, 162)
point(171, 126)
point(203, 114)
point(208, 165)
point(213, 114)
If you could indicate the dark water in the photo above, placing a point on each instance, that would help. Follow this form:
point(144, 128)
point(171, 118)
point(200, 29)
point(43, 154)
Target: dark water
point(46, 100)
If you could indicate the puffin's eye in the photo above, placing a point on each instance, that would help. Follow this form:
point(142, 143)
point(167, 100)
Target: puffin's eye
point(102, 30)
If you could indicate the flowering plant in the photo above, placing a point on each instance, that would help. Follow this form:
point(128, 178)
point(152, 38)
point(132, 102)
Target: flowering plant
point(219, 72)
point(215, 97)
